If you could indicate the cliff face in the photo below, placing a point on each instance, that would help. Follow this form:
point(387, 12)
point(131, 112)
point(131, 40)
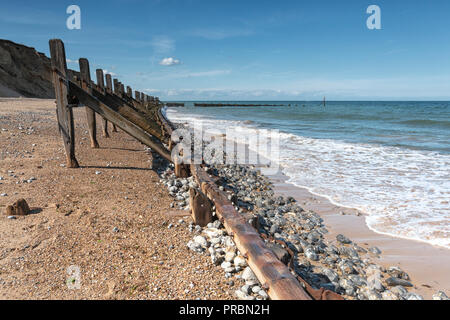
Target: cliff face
point(24, 72)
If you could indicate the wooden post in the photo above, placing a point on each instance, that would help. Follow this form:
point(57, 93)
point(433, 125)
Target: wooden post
point(200, 207)
point(86, 80)
point(122, 89)
point(137, 95)
point(116, 86)
point(109, 88)
point(117, 92)
point(101, 84)
point(64, 112)
point(129, 92)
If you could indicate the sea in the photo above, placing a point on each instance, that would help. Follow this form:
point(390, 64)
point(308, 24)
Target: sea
point(390, 160)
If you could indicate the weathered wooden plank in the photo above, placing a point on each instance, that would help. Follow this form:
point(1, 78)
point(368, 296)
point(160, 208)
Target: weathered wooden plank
point(64, 112)
point(129, 92)
point(137, 96)
point(270, 271)
point(112, 113)
point(101, 85)
point(90, 114)
point(133, 112)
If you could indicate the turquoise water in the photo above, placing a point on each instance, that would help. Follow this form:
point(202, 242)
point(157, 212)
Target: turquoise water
point(391, 160)
point(416, 125)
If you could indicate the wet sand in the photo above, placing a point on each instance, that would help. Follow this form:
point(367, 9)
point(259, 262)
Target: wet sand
point(427, 265)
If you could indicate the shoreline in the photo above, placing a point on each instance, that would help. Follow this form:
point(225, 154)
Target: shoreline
point(416, 258)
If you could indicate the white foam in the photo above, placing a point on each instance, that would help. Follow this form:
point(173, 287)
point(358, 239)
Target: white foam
point(405, 193)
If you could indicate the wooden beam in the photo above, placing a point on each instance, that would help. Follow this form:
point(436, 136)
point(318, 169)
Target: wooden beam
point(270, 271)
point(129, 92)
point(64, 112)
point(137, 95)
point(101, 85)
point(113, 115)
point(132, 114)
point(90, 114)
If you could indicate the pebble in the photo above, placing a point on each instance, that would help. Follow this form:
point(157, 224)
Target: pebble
point(311, 255)
point(392, 281)
point(229, 256)
point(241, 295)
point(389, 295)
point(397, 273)
point(246, 289)
point(413, 296)
point(375, 250)
point(263, 294)
point(201, 241)
point(12, 218)
point(343, 239)
point(194, 246)
point(331, 274)
point(248, 274)
point(399, 291)
point(256, 289)
point(3, 195)
point(240, 262)
point(440, 296)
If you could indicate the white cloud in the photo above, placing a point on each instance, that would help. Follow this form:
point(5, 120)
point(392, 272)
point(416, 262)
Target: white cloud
point(109, 72)
point(71, 61)
point(169, 62)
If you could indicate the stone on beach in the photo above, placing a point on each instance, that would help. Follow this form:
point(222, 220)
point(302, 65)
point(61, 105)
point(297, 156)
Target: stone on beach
point(440, 296)
point(201, 241)
point(343, 239)
point(248, 274)
point(392, 281)
point(19, 208)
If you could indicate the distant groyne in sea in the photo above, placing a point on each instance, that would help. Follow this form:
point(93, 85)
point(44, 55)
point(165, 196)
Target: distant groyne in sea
point(235, 105)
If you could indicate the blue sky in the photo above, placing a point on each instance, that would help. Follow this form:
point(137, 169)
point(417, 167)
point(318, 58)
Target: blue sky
point(251, 50)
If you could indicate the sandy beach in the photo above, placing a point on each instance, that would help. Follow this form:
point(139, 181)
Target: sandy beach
point(427, 265)
point(114, 220)
point(110, 218)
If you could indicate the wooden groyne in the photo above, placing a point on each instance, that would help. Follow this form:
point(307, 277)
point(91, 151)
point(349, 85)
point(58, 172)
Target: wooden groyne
point(141, 117)
point(174, 104)
point(236, 105)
